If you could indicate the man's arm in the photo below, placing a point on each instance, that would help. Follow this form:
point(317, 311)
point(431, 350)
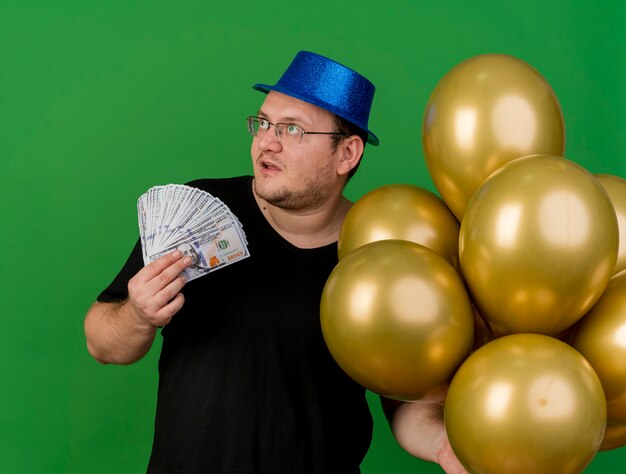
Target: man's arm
point(122, 333)
point(419, 429)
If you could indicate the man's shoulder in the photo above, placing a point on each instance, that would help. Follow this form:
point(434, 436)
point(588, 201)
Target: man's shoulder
point(215, 184)
point(235, 192)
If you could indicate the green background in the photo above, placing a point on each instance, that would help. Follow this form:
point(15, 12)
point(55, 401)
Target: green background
point(101, 100)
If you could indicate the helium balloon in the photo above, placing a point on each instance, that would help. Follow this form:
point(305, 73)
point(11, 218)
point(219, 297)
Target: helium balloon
point(601, 338)
point(614, 437)
point(397, 318)
point(485, 112)
point(538, 245)
point(525, 403)
point(616, 189)
point(404, 212)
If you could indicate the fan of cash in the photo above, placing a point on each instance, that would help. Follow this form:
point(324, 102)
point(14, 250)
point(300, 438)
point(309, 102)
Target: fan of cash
point(179, 217)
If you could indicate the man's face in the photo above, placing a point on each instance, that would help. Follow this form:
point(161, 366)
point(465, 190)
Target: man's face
point(296, 176)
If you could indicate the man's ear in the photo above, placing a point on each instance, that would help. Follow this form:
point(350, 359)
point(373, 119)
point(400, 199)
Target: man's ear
point(351, 150)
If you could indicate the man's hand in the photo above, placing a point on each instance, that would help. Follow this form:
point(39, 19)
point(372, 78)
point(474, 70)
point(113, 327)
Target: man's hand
point(154, 292)
point(122, 333)
point(447, 459)
point(419, 428)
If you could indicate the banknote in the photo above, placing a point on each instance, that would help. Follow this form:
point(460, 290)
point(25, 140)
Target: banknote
point(188, 219)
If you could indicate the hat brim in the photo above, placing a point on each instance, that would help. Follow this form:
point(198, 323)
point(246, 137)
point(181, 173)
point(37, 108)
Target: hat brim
point(265, 88)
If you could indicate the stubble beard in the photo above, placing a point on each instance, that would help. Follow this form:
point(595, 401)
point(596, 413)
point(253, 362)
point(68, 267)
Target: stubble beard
point(315, 192)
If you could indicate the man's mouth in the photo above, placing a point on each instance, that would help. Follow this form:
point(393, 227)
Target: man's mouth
point(269, 165)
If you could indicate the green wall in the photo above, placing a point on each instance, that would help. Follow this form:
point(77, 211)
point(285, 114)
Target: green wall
point(101, 100)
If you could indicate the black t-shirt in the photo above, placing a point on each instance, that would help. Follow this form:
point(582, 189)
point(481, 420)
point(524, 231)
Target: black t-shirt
point(246, 383)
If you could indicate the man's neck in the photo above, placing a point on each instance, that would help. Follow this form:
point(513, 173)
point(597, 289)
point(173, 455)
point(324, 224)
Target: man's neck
point(309, 228)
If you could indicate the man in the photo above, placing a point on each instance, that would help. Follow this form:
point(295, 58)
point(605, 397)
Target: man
point(246, 383)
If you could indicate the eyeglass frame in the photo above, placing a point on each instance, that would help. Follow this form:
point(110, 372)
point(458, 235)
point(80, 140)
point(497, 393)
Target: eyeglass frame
point(277, 128)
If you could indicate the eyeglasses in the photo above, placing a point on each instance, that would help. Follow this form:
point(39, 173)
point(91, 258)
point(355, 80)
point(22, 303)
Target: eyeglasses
point(285, 132)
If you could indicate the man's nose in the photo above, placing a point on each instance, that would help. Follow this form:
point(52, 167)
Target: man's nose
point(270, 140)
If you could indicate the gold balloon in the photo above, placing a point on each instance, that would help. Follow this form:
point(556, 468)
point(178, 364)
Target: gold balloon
point(614, 437)
point(616, 189)
point(397, 318)
point(485, 112)
point(404, 212)
point(538, 245)
point(525, 403)
point(601, 338)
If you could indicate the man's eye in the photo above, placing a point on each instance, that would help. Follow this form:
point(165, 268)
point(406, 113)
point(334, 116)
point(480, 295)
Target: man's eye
point(263, 123)
point(293, 129)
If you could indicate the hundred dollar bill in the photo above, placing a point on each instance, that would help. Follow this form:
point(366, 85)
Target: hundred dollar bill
point(213, 250)
point(193, 221)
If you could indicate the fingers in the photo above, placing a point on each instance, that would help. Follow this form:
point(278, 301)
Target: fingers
point(157, 266)
point(448, 460)
point(158, 274)
point(166, 313)
point(155, 291)
point(170, 291)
